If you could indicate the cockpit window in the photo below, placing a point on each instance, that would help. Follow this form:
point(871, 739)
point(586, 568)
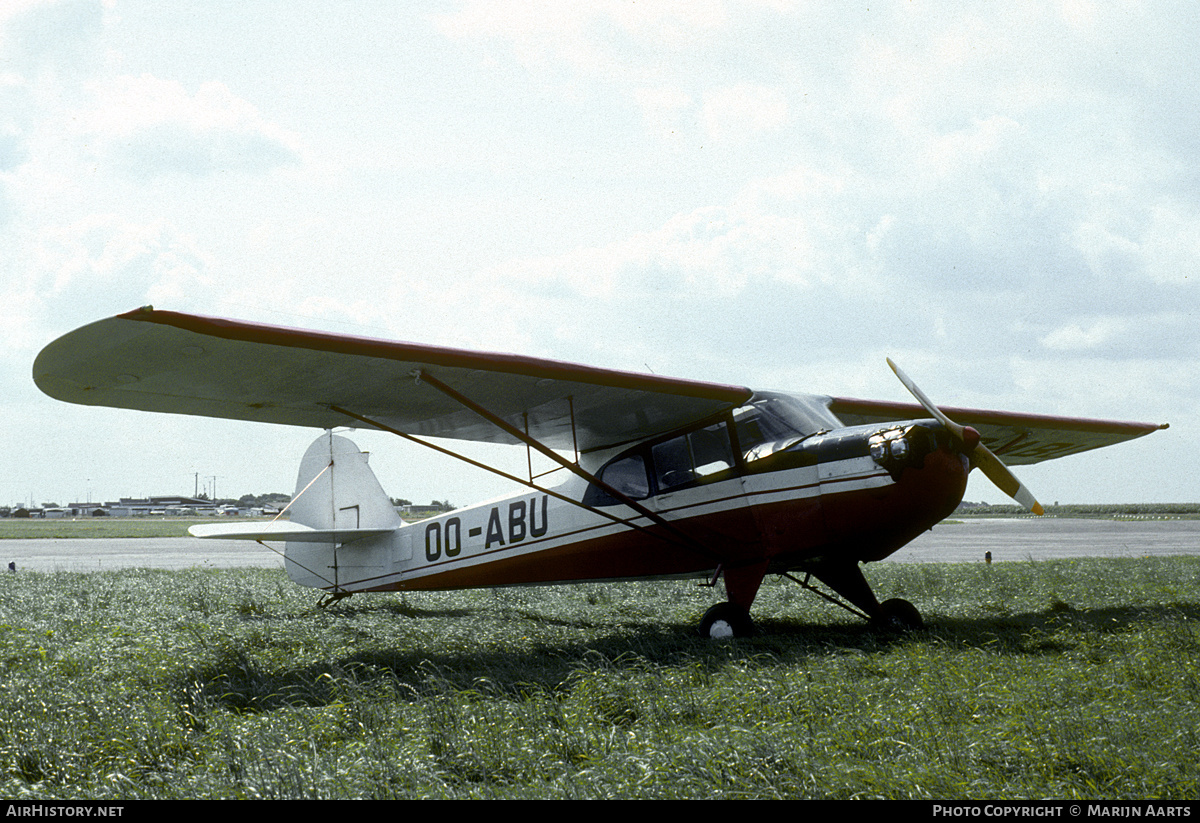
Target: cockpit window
point(711, 450)
point(769, 423)
point(772, 422)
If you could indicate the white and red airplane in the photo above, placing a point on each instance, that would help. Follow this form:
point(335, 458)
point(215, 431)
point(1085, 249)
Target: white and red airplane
point(656, 477)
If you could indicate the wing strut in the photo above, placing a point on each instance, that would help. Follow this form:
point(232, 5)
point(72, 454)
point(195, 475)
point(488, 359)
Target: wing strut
point(677, 537)
point(425, 377)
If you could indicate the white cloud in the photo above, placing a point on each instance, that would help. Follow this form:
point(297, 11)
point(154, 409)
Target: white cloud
point(1123, 236)
point(957, 187)
point(51, 36)
point(1076, 337)
point(963, 150)
point(154, 126)
point(581, 34)
point(1171, 245)
point(108, 249)
point(74, 273)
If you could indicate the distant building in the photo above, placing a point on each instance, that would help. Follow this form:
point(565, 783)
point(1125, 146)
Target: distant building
point(87, 509)
point(145, 506)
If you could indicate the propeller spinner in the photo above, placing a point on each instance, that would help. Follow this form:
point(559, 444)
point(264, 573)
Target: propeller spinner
point(980, 455)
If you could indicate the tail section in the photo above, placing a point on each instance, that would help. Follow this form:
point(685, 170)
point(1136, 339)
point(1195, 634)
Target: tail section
point(340, 536)
point(343, 516)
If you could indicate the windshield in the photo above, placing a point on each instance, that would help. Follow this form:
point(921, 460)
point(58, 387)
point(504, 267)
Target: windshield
point(771, 422)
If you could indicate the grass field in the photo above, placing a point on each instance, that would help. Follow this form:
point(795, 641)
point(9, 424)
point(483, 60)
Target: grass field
point(1066, 679)
point(122, 527)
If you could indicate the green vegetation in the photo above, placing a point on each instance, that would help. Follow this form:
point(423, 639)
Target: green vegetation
point(34, 528)
point(1106, 511)
point(1066, 679)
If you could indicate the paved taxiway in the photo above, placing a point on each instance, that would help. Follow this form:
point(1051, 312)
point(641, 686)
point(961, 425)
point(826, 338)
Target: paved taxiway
point(87, 554)
point(1009, 540)
point(1045, 538)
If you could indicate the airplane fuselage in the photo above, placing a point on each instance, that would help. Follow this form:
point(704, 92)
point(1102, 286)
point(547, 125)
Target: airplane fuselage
point(851, 494)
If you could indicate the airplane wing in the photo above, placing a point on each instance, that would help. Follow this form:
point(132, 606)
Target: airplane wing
point(185, 364)
point(1018, 439)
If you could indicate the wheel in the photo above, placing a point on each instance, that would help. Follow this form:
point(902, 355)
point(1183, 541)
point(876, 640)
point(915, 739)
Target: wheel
point(726, 620)
point(898, 614)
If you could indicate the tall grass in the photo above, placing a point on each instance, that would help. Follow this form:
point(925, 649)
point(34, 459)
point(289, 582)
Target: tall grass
point(1073, 679)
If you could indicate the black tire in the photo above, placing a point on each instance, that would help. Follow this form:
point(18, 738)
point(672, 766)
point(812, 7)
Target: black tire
point(899, 615)
point(726, 620)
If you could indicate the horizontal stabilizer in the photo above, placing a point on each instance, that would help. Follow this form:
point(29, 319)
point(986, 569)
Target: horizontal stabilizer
point(281, 530)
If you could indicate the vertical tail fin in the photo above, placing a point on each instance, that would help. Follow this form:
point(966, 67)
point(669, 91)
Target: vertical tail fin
point(337, 493)
point(337, 490)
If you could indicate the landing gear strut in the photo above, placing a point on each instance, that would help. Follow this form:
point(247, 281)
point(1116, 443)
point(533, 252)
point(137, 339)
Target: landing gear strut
point(331, 598)
point(732, 618)
point(846, 579)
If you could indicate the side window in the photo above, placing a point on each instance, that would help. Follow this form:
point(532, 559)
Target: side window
point(761, 432)
point(700, 456)
point(711, 450)
point(693, 457)
point(628, 476)
point(672, 464)
point(749, 431)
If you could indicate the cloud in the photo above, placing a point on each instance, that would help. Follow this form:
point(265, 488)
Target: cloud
point(153, 127)
point(44, 35)
point(643, 50)
point(663, 110)
point(73, 273)
point(595, 37)
point(978, 192)
point(1076, 337)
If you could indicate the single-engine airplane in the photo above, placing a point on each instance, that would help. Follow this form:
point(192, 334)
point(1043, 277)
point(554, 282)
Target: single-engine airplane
point(659, 477)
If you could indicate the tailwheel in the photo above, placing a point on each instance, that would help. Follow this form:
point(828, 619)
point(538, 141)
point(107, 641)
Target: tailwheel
point(898, 615)
point(726, 620)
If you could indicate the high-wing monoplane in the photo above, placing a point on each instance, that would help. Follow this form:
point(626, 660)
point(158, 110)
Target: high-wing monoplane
point(654, 477)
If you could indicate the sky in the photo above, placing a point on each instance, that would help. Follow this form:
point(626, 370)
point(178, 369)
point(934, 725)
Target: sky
point(1004, 197)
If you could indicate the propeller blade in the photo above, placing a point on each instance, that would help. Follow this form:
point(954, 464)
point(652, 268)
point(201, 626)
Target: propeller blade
point(992, 466)
point(933, 410)
point(1007, 482)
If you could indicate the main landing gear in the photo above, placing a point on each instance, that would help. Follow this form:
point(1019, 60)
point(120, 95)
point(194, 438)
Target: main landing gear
point(731, 619)
point(898, 615)
point(726, 620)
point(846, 579)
